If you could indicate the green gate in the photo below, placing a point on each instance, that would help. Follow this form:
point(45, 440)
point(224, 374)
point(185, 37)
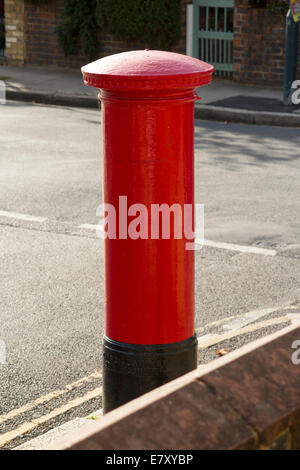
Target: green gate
point(213, 33)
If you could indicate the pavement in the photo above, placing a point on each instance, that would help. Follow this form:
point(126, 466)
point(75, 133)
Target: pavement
point(45, 441)
point(51, 283)
point(221, 100)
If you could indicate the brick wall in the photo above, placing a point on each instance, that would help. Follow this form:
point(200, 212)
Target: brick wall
point(259, 45)
point(248, 399)
point(110, 45)
point(14, 31)
point(258, 50)
point(41, 41)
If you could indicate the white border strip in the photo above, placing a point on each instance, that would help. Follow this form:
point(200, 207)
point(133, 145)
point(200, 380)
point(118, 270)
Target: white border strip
point(90, 226)
point(16, 215)
point(221, 245)
point(233, 247)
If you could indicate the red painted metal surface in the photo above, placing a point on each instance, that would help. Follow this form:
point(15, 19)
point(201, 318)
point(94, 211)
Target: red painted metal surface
point(147, 124)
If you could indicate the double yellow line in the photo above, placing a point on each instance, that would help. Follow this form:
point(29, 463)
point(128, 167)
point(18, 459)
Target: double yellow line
point(216, 339)
point(97, 392)
point(28, 426)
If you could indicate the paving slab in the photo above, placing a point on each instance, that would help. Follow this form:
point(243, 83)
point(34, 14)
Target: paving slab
point(222, 100)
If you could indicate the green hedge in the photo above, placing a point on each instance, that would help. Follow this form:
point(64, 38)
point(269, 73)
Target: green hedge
point(282, 5)
point(79, 21)
point(154, 23)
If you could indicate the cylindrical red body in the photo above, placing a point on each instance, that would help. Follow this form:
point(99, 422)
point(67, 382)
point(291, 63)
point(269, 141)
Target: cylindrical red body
point(147, 122)
point(148, 156)
point(147, 118)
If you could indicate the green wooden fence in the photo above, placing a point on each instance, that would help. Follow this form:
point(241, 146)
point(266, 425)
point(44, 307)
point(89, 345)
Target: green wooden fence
point(213, 33)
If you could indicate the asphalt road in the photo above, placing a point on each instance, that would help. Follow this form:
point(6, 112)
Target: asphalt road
point(51, 302)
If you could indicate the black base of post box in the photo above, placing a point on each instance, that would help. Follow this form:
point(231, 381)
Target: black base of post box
point(130, 370)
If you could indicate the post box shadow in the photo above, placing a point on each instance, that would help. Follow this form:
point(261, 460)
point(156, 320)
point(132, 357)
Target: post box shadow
point(249, 145)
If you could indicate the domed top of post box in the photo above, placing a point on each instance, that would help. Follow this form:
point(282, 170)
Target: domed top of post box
point(147, 70)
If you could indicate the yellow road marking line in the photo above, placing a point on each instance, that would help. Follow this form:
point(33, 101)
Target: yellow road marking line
point(215, 323)
point(292, 307)
point(26, 427)
point(294, 317)
point(48, 397)
point(210, 341)
point(207, 341)
point(265, 311)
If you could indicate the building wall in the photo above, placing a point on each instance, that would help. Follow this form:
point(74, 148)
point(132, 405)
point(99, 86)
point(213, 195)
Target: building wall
point(41, 40)
point(259, 45)
point(258, 49)
point(14, 31)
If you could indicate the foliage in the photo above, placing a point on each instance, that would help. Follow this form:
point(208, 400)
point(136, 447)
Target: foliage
point(258, 3)
point(156, 23)
point(282, 5)
point(79, 21)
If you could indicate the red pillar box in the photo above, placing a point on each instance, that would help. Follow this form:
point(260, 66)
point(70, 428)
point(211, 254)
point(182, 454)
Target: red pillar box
point(148, 178)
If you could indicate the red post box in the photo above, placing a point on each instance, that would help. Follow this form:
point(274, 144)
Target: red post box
point(147, 135)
